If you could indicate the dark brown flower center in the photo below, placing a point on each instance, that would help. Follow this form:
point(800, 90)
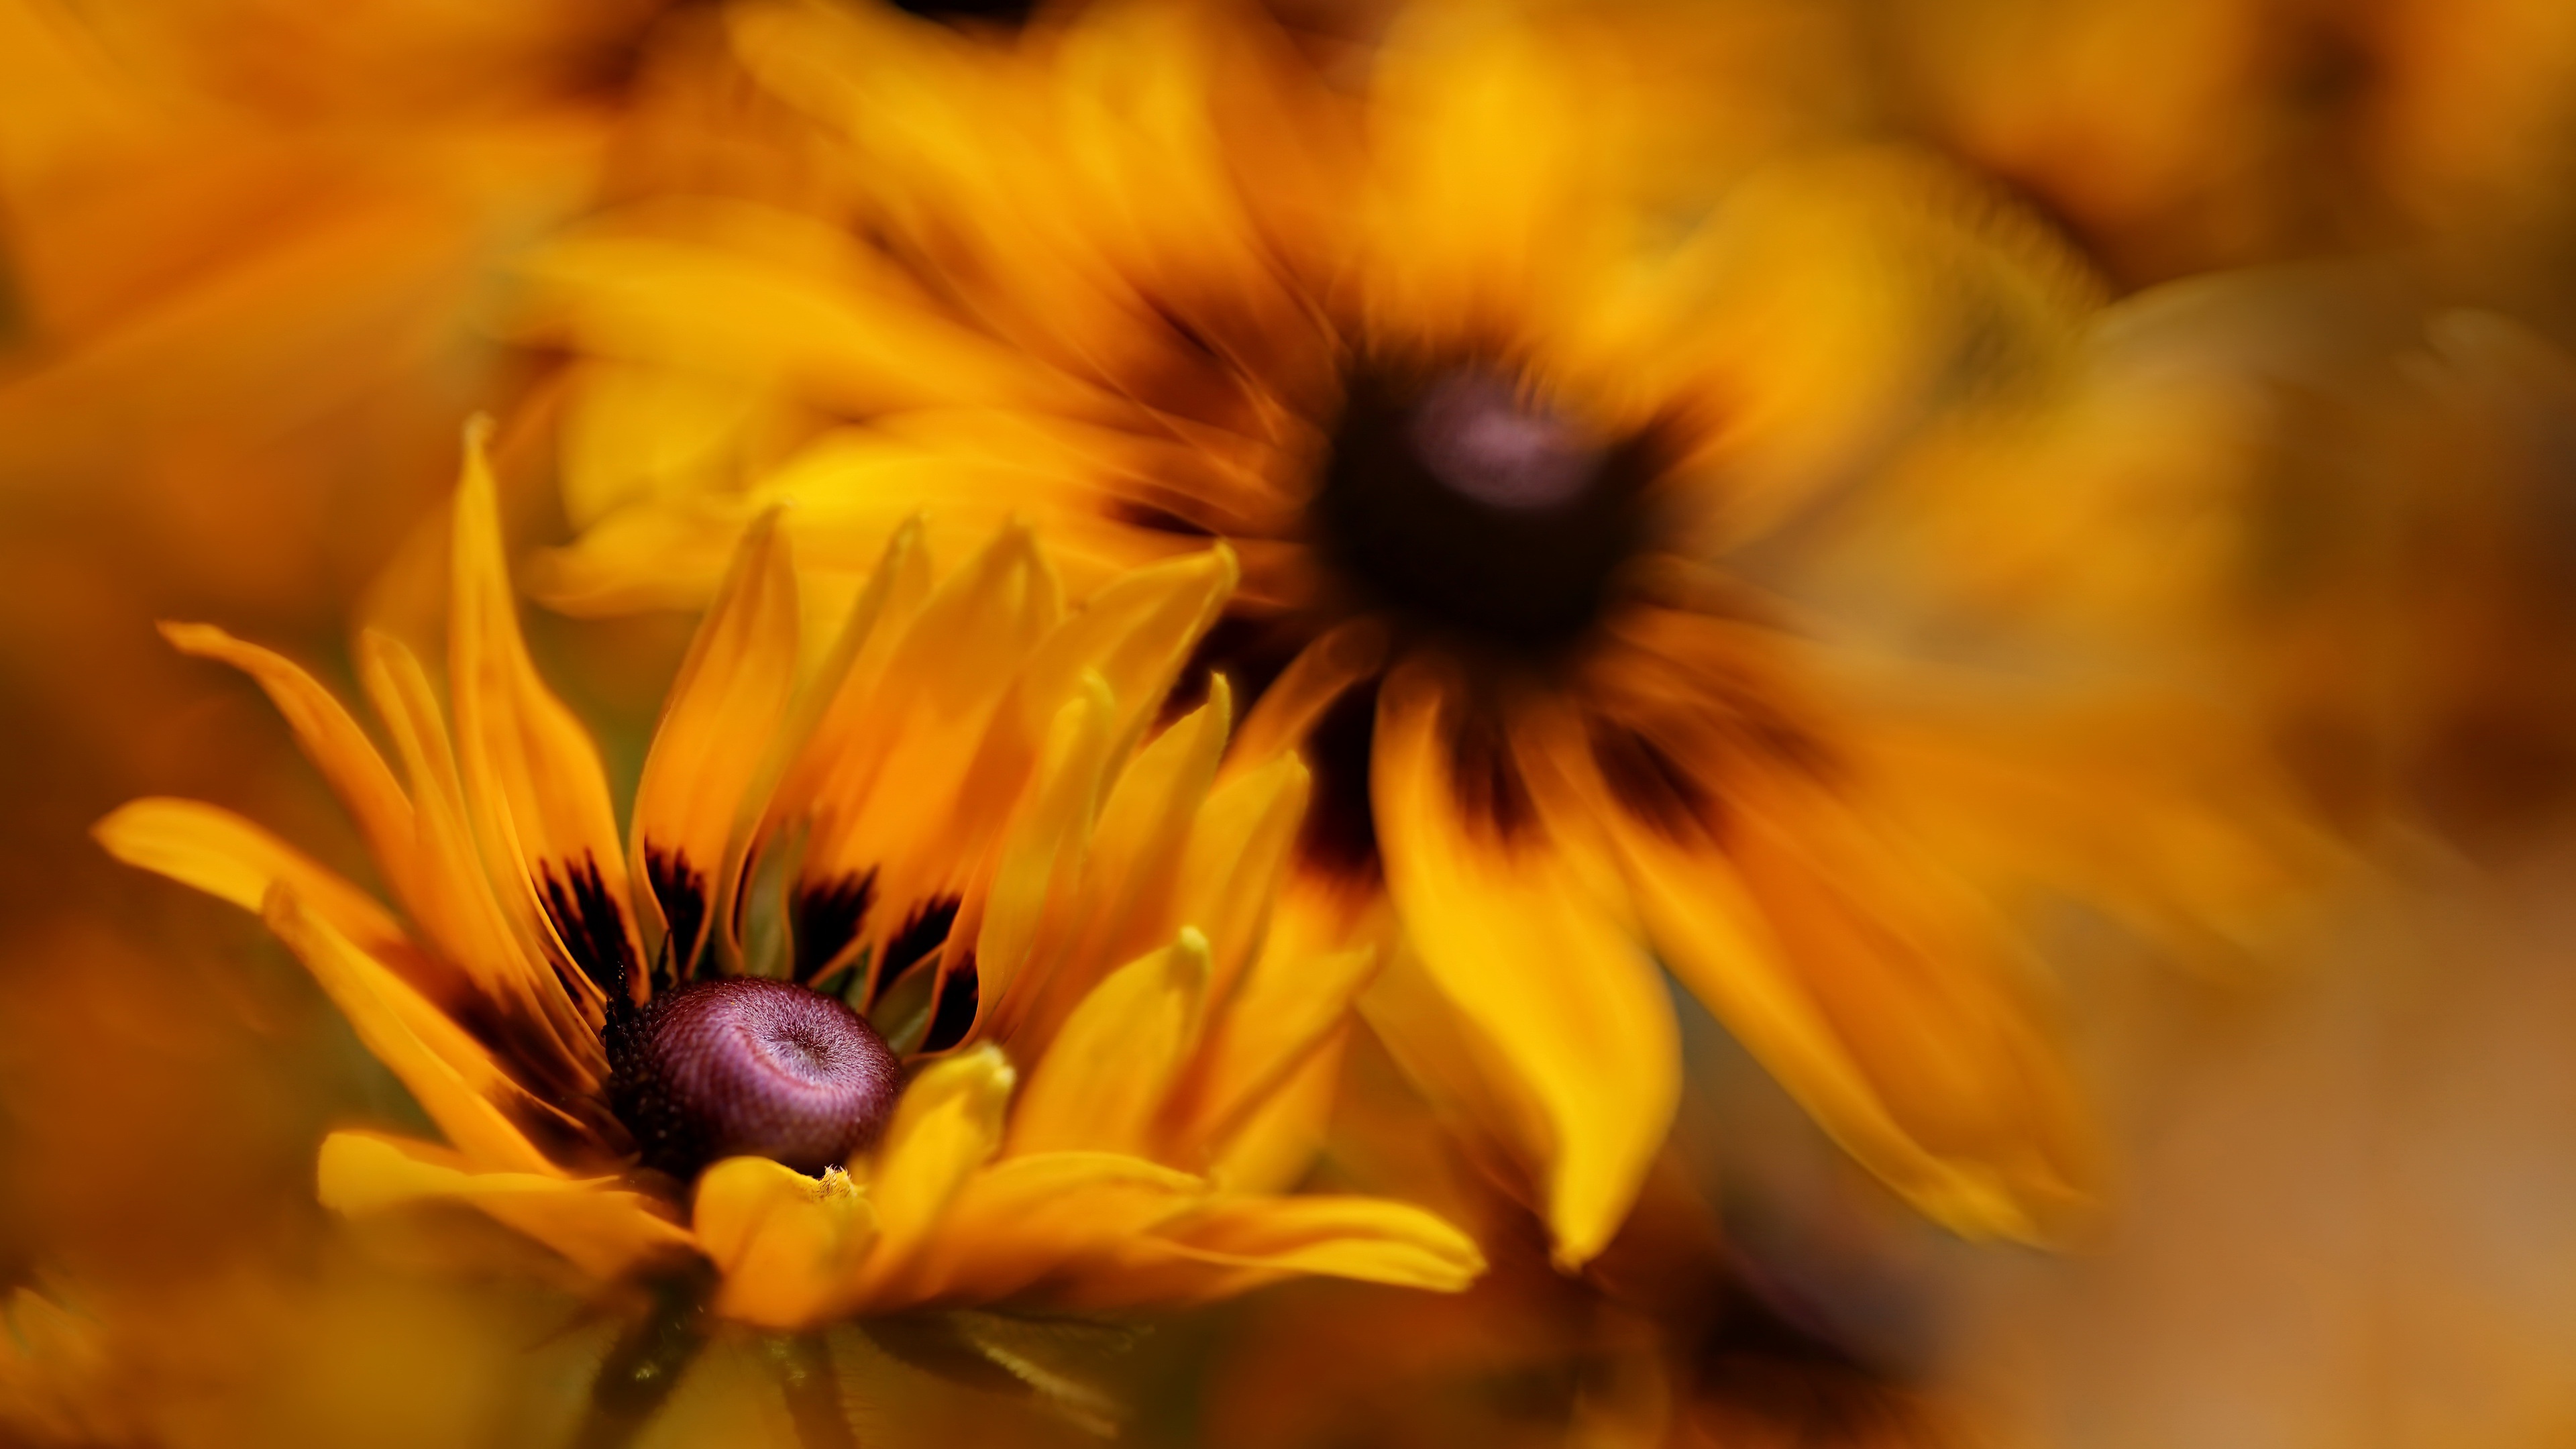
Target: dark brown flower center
point(1454, 500)
point(743, 1066)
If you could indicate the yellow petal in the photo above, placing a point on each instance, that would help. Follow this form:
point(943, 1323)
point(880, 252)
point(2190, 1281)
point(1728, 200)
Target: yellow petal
point(912, 769)
point(1877, 995)
point(606, 1231)
point(1046, 1215)
point(531, 774)
point(452, 898)
point(1100, 1084)
point(1512, 921)
point(1136, 633)
point(231, 859)
point(789, 1245)
point(719, 739)
point(329, 735)
point(1320, 674)
point(447, 1072)
point(1041, 857)
point(1288, 1008)
point(1371, 1239)
point(948, 1124)
point(1237, 860)
point(1125, 904)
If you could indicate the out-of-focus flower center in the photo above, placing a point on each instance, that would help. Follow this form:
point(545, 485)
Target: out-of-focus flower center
point(1452, 499)
point(750, 1067)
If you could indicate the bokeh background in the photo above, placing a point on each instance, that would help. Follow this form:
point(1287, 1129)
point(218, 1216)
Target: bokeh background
point(253, 260)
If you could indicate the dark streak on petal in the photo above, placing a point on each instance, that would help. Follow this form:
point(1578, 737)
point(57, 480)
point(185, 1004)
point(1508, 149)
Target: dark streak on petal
point(825, 918)
point(588, 919)
point(1487, 779)
point(1649, 784)
point(954, 1015)
point(1340, 832)
point(922, 933)
point(682, 889)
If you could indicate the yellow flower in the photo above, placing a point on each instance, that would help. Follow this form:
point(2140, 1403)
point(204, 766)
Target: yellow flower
point(1522, 429)
point(958, 819)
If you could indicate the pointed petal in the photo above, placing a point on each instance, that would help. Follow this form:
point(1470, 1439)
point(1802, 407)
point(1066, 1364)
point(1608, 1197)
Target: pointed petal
point(1514, 919)
point(1237, 862)
point(1289, 1007)
point(908, 784)
point(789, 1245)
point(1320, 674)
point(1100, 1085)
point(606, 1231)
point(1878, 995)
point(1135, 633)
point(1040, 859)
point(1370, 1239)
point(1026, 1219)
point(451, 895)
point(449, 1074)
point(1125, 904)
point(330, 737)
point(719, 741)
point(948, 1124)
point(231, 859)
point(532, 776)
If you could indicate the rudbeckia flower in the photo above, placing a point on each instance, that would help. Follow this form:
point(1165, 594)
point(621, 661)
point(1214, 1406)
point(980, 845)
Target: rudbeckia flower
point(921, 976)
point(1523, 389)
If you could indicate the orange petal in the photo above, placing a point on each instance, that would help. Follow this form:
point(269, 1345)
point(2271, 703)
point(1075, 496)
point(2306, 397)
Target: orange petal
point(719, 741)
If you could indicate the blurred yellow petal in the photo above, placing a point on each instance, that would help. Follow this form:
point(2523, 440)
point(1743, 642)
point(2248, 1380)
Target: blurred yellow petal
point(1531, 951)
point(606, 1231)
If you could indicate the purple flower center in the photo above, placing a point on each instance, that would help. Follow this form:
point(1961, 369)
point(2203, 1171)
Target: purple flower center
point(748, 1067)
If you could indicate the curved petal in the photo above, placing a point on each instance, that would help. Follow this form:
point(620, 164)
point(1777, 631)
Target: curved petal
point(227, 857)
point(789, 1245)
point(1025, 1220)
point(948, 1124)
point(715, 747)
point(330, 737)
point(1100, 1084)
point(606, 1231)
point(1371, 1239)
point(1785, 887)
point(1515, 922)
point(448, 1073)
point(531, 773)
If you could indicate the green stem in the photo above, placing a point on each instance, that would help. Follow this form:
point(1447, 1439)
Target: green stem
point(813, 1389)
point(646, 1363)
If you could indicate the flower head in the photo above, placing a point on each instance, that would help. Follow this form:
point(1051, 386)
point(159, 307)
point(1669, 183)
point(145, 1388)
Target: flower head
point(1522, 434)
point(956, 842)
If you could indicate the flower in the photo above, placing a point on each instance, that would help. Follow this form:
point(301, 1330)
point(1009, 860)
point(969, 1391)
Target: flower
point(950, 823)
point(1540, 447)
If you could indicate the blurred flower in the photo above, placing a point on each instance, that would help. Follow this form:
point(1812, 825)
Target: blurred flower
point(1481, 382)
point(971, 845)
point(2178, 138)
